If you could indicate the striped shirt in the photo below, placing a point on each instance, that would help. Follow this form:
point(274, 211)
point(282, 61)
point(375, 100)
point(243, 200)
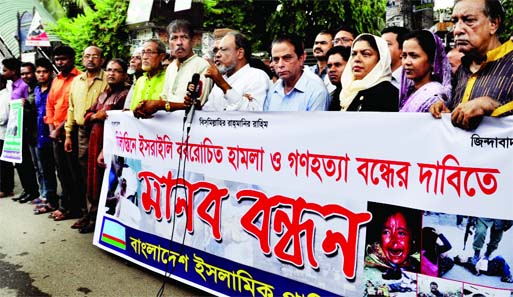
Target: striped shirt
point(493, 79)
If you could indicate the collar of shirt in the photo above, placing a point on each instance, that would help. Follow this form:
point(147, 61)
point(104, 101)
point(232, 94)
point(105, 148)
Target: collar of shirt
point(300, 85)
point(98, 76)
point(74, 72)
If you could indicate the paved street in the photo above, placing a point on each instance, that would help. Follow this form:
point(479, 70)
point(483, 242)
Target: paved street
point(40, 257)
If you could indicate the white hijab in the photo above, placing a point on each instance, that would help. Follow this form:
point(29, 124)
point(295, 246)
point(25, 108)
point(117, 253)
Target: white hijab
point(381, 72)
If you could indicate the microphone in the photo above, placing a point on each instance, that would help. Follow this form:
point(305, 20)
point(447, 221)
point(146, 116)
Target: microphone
point(193, 91)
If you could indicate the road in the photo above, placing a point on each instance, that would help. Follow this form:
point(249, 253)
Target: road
point(40, 257)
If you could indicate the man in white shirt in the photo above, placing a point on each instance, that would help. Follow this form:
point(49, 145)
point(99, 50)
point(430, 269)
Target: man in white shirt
point(394, 36)
point(237, 85)
point(179, 73)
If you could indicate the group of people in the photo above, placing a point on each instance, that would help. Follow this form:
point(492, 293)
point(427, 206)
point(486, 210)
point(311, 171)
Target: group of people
point(397, 71)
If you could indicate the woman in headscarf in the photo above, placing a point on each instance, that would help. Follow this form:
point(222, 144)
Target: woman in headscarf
point(366, 83)
point(426, 72)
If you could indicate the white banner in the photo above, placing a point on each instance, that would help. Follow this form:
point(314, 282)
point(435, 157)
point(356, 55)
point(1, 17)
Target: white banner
point(309, 203)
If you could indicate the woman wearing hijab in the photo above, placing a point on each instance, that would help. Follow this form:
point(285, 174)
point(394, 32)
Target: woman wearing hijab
point(426, 72)
point(366, 83)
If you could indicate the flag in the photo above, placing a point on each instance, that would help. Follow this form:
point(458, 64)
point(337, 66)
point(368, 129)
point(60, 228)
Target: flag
point(114, 234)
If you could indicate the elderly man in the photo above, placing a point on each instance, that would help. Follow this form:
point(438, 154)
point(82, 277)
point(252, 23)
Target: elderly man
point(485, 76)
point(149, 85)
point(84, 91)
point(295, 90)
point(179, 73)
point(237, 85)
point(337, 60)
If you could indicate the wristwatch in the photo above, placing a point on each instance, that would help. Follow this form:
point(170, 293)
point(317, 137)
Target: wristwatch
point(168, 106)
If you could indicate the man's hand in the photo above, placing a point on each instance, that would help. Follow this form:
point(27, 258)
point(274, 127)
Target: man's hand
point(100, 160)
point(437, 108)
point(100, 115)
point(213, 73)
point(216, 76)
point(68, 145)
point(147, 108)
point(187, 102)
point(468, 115)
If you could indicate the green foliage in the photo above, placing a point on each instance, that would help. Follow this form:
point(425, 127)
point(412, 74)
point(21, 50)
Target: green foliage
point(65, 8)
point(367, 16)
point(261, 21)
point(307, 17)
point(508, 20)
point(102, 26)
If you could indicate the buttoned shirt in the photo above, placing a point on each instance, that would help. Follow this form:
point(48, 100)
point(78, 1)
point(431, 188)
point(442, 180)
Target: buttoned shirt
point(246, 81)
point(147, 88)
point(308, 94)
point(82, 95)
point(43, 131)
point(493, 79)
point(19, 89)
point(58, 98)
point(178, 77)
point(321, 74)
point(397, 75)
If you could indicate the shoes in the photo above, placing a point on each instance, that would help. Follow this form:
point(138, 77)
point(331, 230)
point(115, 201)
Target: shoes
point(28, 198)
point(88, 228)
point(507, 279)
point(6, 194)
point(22, 195)
point(461, 227)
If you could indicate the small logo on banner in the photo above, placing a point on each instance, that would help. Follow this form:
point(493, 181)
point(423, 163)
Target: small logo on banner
point(114, 234)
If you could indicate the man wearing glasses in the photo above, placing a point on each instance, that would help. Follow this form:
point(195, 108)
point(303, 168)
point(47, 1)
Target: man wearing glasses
point(178, 73)
point(344, 36)
point(149, 85)
point(84, 91)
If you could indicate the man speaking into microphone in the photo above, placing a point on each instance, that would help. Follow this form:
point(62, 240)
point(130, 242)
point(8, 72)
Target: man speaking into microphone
point(179, 73)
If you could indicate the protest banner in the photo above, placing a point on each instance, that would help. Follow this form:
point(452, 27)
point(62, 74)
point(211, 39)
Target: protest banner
point(308, 204)
point(14, 134)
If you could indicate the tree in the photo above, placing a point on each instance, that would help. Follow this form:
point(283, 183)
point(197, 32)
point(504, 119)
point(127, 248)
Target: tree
point(65, 8)
point(246, 16)
point(102, 25)
point(307, 17)
point(508, 20)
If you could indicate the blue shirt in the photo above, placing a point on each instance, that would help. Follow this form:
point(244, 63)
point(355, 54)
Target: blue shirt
point(308, 94)
point(322, 74)
point(43, 132)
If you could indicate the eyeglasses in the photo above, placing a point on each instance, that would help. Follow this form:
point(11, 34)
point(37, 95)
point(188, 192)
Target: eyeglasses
point(94, 56)
point(143, 53)
point(343, 39)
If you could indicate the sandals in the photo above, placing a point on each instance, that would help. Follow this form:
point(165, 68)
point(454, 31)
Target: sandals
point(54, 214)
point(45, 208)
point(81, 223)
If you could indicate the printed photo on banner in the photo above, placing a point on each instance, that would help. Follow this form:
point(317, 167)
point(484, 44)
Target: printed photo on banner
point(437, 287)
point(392, 255)
point(468, 249)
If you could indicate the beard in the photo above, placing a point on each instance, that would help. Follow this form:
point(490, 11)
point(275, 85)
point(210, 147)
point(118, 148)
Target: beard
point(225, 69)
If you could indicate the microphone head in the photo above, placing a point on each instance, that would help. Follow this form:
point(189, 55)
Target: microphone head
point(195, 78)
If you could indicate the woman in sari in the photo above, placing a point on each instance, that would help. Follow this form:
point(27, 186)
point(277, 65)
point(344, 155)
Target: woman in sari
point(366, 82)
point(426, 72)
